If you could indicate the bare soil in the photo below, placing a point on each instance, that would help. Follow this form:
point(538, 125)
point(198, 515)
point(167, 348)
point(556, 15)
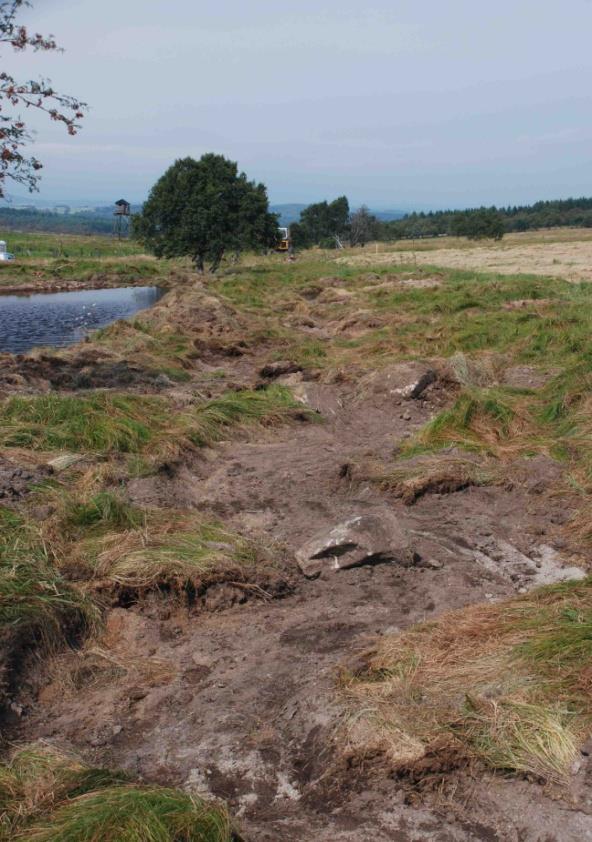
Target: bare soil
point(238, 697)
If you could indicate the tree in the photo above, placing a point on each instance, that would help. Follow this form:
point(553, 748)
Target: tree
point(203, 209)
point(363, 227)
point(39, 95)
point(325, 223)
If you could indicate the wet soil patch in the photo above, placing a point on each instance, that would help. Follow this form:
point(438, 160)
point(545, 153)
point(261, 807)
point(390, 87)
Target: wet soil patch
point(82, 372)
point(16, 480)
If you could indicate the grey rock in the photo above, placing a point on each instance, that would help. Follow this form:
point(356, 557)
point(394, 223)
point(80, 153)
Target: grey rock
point(362, 539)
point(414, 389)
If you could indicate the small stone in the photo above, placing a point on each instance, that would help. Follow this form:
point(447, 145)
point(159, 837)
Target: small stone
point(66, 460)
point(433, 563)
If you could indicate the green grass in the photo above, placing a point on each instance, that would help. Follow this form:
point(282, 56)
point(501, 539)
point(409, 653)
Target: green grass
point(34, 598)
point(39, 245)
point(104, 510)
point(134, 814)
point(105, 423)
point(49, 796)
point(97, 422)
point(212, 421)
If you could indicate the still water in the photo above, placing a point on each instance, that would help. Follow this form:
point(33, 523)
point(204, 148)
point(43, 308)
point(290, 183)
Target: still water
point(61, 318)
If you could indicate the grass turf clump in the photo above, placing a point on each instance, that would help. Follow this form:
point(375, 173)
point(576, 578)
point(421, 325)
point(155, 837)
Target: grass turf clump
point(104, 510)
point(106, 423)
point(46, 794)
point(34, 598)
point(98, 422)
point(268, 407)
point(442, 473)
point(183, 552)
point(134, 814)
point(508, 684)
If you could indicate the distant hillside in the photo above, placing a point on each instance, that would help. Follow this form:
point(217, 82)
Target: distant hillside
point(288, 213)
point(55, 223)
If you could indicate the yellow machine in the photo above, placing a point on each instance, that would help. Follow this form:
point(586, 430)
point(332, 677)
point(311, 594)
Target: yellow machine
point(283, 240)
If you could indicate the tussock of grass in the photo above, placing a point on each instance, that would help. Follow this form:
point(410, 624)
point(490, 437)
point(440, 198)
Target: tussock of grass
point(48, 795)
point(181, 553)
point(134, 813)
point(34, 598)
point(106, 423)
point(104, 510)
point(98, 422)
point(509, 684)
point(268, 407)
point(478, 420)
point(410, 479)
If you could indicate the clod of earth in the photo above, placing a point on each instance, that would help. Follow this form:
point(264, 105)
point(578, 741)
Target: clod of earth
point(279, 368)
point(362, 539)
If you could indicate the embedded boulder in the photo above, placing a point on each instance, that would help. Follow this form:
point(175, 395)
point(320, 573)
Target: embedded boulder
point(362, 539)
point(406, 380)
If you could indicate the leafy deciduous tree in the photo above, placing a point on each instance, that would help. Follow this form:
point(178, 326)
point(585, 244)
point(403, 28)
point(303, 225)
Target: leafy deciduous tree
point(324, 221)
point(203, 209)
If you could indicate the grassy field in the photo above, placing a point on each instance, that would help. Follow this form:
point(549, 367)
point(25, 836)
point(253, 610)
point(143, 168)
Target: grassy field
point(559, 253)
point(33, 246)
point(47, 260)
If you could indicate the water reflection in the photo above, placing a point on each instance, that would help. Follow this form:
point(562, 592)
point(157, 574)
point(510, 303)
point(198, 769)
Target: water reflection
point(61, 318)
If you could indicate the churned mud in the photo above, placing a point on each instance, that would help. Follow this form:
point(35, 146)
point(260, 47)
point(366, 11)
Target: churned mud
point(236, 694)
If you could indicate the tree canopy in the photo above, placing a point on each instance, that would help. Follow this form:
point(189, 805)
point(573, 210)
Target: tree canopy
point(203, 209)
point(18, 94)
point(323, 222)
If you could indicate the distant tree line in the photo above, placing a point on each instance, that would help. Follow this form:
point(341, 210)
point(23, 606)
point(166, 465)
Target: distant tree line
point(329, 224)
point(12, 219)
point(491, 222)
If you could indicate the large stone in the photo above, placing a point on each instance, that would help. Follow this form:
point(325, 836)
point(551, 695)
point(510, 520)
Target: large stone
point(362, 539)
point(402, 380)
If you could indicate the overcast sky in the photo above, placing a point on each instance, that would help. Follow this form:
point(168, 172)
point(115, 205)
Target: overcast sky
point(396, 103)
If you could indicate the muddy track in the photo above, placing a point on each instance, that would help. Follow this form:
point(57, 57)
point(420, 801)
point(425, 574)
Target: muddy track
point(239, 699)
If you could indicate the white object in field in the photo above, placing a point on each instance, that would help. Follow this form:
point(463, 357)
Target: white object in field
point(2, 246)
point(6, 256)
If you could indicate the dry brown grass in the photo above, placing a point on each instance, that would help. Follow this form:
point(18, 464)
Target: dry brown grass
point(507, 684)
point(410, 479)
point(558, 254)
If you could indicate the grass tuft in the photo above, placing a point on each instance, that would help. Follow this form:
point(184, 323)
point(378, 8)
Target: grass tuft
point(46, 794)
point(99, 422)
point(34, 598)
point(508, 684)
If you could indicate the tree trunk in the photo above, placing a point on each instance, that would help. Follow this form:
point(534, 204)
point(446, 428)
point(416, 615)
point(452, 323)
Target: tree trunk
point(216, 261)
point(199, 263)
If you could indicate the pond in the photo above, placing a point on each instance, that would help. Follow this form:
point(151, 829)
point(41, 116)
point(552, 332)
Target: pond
point(62, 318)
